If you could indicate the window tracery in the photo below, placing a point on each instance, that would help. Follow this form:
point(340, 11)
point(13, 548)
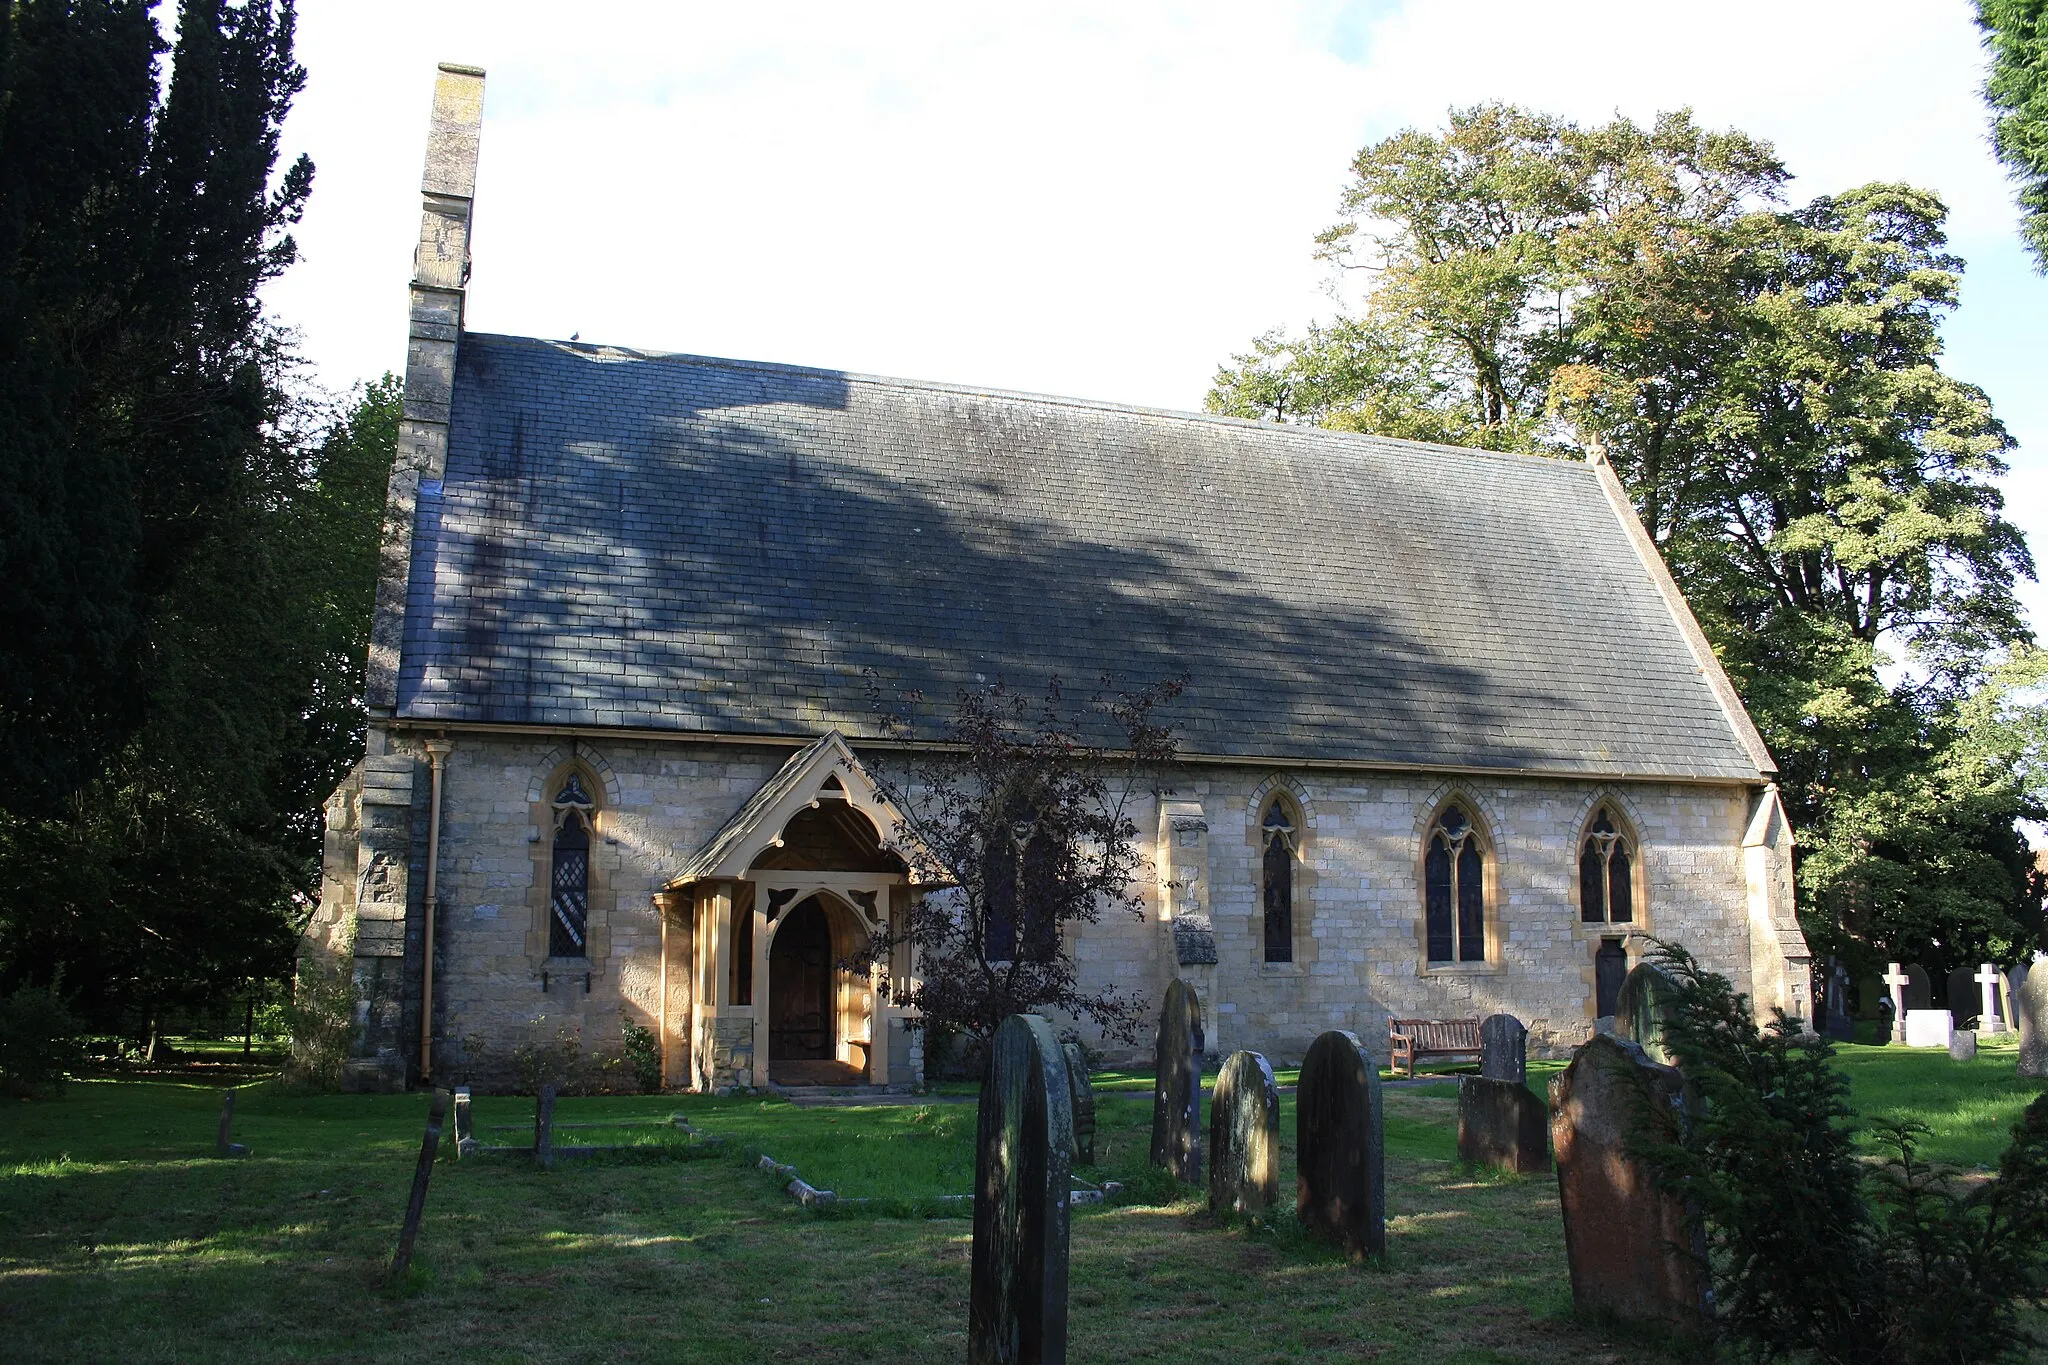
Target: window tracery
point(1454, 889)
point(569, 882)
point(1607, 859)
point(1277, 834)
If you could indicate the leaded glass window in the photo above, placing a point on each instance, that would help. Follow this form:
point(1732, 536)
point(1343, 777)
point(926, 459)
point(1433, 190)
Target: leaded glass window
point(1454, 889)
point(569, 884)
point(1277, 831)
point(1606, 873)
point(1021, 866)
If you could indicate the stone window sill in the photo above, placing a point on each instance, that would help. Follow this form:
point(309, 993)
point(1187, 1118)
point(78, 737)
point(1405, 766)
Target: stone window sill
point(1459, 968)
point(1282, 969)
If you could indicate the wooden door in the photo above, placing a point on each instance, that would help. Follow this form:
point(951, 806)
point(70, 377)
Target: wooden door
point(800, 987)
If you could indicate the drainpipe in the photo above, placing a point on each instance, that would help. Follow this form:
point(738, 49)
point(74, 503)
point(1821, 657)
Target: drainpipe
point(437, 754)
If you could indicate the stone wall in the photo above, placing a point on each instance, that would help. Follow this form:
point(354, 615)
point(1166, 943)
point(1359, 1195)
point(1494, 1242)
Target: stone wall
point(1358, 905)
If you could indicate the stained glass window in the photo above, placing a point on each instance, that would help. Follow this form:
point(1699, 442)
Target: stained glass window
point(1454, 890)
point(1278, 832)
point(1606, 873)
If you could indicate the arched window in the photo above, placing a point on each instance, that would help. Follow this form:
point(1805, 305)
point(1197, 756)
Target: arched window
point(1454, 889)
point(1606, 873)
point(1277, 832)
point(569, 885)
point(1021, 865)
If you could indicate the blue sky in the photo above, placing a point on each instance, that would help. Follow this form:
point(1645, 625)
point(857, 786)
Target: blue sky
point(1104, 201)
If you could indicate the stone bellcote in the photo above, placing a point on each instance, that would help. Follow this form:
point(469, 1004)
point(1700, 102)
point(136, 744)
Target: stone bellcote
point(440, 272)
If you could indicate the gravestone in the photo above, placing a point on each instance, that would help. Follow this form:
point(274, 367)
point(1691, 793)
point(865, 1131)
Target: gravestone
point(1632, 1249)
point(1177, 1089)
point(1081, 1096)
point(1991, 1010)
point(465, 1125)
point(1929, 1028)
point(1017, 1286)
point(1340, 1162)
point(1502, 1124)
point(221, 1144)
point(544, 1128)
point(1244, 1137)
point(1962, 1045)
point(1895, 981)
point(1961, 987)
point(1504, 1049)
point(2030, 1003)
point(1839, 1025)
point(1919, 992)
point(416, 1203)
point(1648, 998)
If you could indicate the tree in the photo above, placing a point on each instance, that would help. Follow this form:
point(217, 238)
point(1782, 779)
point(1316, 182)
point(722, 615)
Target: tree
point(1023, 813)
point(1767, 385)
point(2016, 31)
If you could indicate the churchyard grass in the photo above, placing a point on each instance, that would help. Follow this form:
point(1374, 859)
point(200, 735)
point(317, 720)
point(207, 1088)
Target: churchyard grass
point(1970, 1106)
point(121, 1237)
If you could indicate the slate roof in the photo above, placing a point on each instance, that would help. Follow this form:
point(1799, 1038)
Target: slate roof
point(633, 539)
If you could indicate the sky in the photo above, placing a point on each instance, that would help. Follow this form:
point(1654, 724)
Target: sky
point(1104, 201)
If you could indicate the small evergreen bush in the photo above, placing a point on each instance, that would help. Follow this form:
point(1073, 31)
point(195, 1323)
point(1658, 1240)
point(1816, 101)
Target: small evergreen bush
point(1815, 1253)
point(41, 1042)
point(643, 1055)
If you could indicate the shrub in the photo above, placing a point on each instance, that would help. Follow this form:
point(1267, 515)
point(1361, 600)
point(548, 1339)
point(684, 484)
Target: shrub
point(1815, 1254)
point(41, 1041)
point(643, 1054)
point(320, 1020)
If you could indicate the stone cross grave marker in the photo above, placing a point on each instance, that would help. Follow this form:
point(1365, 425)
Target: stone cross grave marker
point(1646, 1002)
point(1990, 1018)
point(544, 1128)
point(1177, 1087)
point(1340, 1161)
point(2030, 1004)
point(1962, 1045)
point(1504, 1049)
point(1017, 1287)
point(1896, 979)
point(416, 1204)
point(1081, 1095)
point(1630, 1246)
point(1244, 1137)
point(222, 1146)
point(465, 1125)
point(1502, 1124)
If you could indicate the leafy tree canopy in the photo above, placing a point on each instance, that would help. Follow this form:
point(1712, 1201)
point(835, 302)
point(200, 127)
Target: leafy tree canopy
point(1767, 384)
point(2016, 31)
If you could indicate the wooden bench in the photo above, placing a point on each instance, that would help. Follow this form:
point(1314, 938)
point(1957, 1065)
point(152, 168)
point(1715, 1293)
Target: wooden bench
point(1411, 1040)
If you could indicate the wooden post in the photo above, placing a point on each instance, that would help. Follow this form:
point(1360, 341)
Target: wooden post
point(544, 1128)
point(421, 1174)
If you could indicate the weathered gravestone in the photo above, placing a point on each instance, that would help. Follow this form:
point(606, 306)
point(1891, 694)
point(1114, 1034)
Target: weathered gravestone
point(1244, 1137)
point(1340, 1145)
point(1838, 1023)
point(1633, 1250)
point(1081, 1096)
point(1991, 1010)
point(1962, 1045)
point(1961, 986)
point(1177, 1089)
point(222, 1146)
point(1919, 990)
point(416, 1204)
point(1501, 1124)
point(1648, 997)
point(2030, 1003)
point(544, 1128)
point(465, 1125)
point(1017, 1289)
point(1504, 1049)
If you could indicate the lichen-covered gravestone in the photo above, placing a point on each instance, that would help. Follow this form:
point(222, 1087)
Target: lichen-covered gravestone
point(1340, 1145)
point(1501, 1124)
point(1962, 1045)
point(1177, 1088)
point(1081, 1096)
point(1648, 997)
point(1244, 1137)
point(1632, 1249)
point(1504, 1049)
point(1017, 1288)
point(544, 1128)
point(2030, 1003)
point(465, 1125)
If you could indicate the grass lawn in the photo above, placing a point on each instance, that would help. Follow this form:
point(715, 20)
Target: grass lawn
point(120, 1238)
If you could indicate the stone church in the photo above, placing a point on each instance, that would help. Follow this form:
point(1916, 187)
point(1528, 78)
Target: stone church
point(1453, 742)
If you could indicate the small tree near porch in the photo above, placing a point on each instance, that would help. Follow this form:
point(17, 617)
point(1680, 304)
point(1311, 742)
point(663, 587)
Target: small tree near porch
point(1026, 819)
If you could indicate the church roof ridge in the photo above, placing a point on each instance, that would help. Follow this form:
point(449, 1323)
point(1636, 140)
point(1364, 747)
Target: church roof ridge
point(1364, 439)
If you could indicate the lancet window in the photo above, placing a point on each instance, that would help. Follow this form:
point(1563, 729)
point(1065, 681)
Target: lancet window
point(1454, 889)
point(1020, 864)
point(569, 885)
point(1607, 859)
point(1277, 833)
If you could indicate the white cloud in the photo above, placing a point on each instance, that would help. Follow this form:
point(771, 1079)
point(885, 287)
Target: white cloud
point(1087, 199)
